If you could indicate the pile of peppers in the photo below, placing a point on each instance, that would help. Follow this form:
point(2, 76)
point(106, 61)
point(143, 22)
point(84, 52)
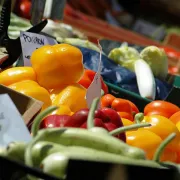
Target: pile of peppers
point(117, 112)
point(164, 118)
point(53, 78)
point(51, 148)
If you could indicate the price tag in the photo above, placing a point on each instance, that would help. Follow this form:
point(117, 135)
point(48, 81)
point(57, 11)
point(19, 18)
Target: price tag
point(94, 89)
point(12, 127)
point(31, 42)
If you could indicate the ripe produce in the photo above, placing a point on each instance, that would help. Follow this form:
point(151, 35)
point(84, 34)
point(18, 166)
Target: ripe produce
point(33, 89)
point(162, 108)
point(125, 108)
point(56, 65)
point(87, 79)
point(17, 74)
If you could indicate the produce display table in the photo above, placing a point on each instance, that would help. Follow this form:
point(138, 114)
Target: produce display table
point(71, 109)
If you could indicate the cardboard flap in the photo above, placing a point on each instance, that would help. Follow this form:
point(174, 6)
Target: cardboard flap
point(27, 106)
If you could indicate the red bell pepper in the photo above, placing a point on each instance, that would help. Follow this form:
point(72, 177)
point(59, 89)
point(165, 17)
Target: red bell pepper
point(106, 118)
point(54, 120)
point(87, 79)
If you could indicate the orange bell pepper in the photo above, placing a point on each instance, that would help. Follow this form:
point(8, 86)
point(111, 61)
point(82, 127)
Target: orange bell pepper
point(169, 155)
point(178, 157)
point(87, 79)
point(163, 127)
point(17, 74)
point(56, 65)
point(162, 108)
point(175, 118)
point(34, 90)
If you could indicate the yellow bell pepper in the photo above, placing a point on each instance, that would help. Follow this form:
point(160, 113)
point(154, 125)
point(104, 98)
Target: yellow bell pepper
point(17, 74)
point(62, 110)
point(56, 65)
point(34, 90)
point(126, 122)
point(72, 96)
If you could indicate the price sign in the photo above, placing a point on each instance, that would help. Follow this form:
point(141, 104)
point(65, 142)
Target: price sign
point(31, 42)
point(12, 126)
point(94, 89)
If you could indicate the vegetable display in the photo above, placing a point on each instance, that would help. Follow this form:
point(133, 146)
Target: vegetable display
point(113, 129)
point(51, 149)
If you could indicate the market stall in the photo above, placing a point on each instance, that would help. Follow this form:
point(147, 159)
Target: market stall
point(81, 101)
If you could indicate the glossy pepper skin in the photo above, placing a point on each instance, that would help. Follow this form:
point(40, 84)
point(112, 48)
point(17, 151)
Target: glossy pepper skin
point(144, 139)
point(62, 110)
point(54, 120)
point(87, 79)
point(175, 118)
point(149, 142)
point(56, 65)
point(106, 118)
point(72, 95)
point(34, 90)
point(162, 108)
point(163, 127)
point(17, 74)
point(125, 108)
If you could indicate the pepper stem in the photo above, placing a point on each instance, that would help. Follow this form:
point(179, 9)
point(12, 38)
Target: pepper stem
point(162, 146)
point(139, 117)
point(127, 128)
point(40, 117)
point(90, 120)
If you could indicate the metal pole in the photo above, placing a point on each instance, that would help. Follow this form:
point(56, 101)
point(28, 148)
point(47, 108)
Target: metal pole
point(37, 11)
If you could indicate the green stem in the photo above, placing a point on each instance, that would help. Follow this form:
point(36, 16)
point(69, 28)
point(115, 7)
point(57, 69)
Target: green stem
point(90, 120)
point(162, 146)
point(127, 128)
point(40, 117)
point(139, 117)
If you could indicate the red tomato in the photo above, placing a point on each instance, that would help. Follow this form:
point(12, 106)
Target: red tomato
point(162, 108)
point(25, 9)
point(173, 70)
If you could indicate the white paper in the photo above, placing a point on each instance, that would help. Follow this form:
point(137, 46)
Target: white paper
point(12, 126)
point(31, 42)
point(94, 90)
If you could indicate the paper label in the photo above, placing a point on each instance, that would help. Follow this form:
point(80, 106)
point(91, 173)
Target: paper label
point(94, 90)
point(12, 126)
point(31, 42)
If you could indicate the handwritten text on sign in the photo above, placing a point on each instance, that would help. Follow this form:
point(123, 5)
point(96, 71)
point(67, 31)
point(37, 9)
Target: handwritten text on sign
point(31, 42)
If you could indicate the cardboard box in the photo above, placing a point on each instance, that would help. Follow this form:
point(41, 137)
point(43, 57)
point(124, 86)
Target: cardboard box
point(27, 106)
